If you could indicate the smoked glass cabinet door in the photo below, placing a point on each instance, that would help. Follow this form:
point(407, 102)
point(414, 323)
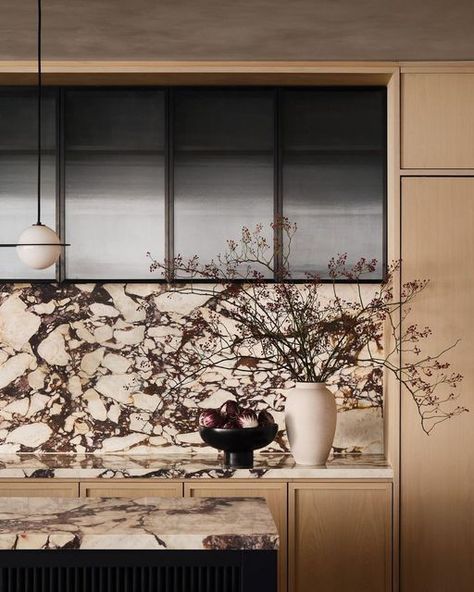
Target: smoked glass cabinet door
point(333, 175)
point(223, 167)
point(114, 182)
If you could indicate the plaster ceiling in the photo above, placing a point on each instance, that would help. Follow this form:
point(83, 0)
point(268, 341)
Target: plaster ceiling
point(240, 29)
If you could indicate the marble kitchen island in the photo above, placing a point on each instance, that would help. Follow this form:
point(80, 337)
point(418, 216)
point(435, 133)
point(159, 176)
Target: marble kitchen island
point(159, 544)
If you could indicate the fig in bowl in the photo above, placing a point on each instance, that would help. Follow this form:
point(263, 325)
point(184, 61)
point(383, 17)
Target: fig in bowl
point(237, 432)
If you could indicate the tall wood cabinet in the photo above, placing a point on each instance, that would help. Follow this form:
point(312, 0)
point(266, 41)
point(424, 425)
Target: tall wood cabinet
point(437, 242)
point(437, 472)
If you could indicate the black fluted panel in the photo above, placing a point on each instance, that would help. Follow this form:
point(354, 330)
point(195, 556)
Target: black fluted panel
point(166, 578)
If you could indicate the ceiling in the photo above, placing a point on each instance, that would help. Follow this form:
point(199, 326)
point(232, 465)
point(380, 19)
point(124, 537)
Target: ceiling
point(240, 29)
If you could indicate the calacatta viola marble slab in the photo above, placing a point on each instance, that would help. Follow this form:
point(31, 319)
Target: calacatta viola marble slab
point(88, 368)
point(146, 523)
point(173, 466)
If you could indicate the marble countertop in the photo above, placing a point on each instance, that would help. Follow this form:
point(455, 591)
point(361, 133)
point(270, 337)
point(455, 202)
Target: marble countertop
point(174, 466)
point(146, 523)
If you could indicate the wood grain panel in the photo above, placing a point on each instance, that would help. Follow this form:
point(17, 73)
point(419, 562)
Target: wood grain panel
point(391, 411)
point(339, 537)
point(275, 494)
point(38, 488)
point(437, 472)
point(196, 73)
point(131, 488)
point(437, 121)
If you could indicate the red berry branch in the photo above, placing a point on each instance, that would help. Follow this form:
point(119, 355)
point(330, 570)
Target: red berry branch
point(310, 332)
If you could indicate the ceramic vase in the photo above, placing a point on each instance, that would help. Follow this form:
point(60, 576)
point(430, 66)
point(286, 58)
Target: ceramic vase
point(310, 417)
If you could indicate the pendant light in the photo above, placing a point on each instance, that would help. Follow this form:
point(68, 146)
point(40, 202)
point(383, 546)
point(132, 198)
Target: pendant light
point(39, 246)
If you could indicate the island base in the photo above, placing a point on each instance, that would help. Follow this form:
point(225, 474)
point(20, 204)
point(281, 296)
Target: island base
point(138, 571)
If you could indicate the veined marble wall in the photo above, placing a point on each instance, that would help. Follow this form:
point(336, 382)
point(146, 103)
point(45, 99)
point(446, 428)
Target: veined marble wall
point(83, 368)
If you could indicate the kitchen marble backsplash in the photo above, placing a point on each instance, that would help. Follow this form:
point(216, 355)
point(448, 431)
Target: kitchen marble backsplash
point(88, 368)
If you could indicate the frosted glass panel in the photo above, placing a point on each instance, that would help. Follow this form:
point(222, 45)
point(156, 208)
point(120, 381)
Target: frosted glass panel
point(18, 175)
point(223, 177)
point(337, 205)
point(334, 176)
point(114, 183)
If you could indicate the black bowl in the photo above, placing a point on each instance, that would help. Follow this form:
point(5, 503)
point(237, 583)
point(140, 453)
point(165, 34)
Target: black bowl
point(238, 444)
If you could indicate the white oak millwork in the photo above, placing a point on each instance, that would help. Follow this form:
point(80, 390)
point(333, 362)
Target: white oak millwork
point(199, 73)
point(391, 384)
point(340, 532)
point(38, 488)
point(340, 537)
point(438, 120)
point(130, 488)
point(437, 472)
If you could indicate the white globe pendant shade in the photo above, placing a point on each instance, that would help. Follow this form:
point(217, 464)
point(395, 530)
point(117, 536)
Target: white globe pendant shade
point(38, 247)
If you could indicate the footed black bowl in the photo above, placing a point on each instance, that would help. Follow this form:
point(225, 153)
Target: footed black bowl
point(238, 444)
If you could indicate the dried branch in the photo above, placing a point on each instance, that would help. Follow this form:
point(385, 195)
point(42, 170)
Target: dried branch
point(306, 332)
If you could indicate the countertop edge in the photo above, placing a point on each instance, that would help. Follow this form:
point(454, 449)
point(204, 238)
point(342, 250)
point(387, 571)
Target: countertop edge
point(187, 468)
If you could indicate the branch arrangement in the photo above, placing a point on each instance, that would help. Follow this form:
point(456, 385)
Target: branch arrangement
point(306, 332)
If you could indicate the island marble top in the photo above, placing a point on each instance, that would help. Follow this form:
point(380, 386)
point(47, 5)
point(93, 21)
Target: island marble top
point(174, 466)
point(148, 523)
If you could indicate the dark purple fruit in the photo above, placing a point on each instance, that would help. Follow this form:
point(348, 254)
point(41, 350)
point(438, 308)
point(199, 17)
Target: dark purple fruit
point(229, 409)
point(210, 418)
point(247, 419)
point(265, 417)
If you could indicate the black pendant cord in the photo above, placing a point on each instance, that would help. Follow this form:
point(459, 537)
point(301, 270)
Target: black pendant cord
point(39, 105)
point(39, 147)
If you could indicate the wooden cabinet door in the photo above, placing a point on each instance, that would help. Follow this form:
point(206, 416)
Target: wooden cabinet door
point(275, 495)
point(339, 537)
point(437, 121)
point(437, 471)
point(38, 488)
point(130, 488)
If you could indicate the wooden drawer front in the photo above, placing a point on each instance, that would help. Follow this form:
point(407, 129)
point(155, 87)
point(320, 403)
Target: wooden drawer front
point(130, 488)
point(274, 493)
point(339, 537)
point(38, 488)
point(437, 121)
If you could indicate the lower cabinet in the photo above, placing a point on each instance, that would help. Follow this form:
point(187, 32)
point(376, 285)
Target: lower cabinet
point(38, 488)
point(275, 495)
point(334, 536)
point(130, 488)
point(339, 537)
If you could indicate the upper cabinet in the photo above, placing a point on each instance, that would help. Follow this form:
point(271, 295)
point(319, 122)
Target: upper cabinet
point(114, 182)
point(437, 121)
point(222, 165)
point(180, 171)
point(333, 151)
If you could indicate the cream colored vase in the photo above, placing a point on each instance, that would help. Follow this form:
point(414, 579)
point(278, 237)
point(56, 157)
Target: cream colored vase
point(310, 417)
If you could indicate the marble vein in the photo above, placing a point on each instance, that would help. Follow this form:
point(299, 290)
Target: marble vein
point(174, 466)
point(146, 523)
point(88, 368)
